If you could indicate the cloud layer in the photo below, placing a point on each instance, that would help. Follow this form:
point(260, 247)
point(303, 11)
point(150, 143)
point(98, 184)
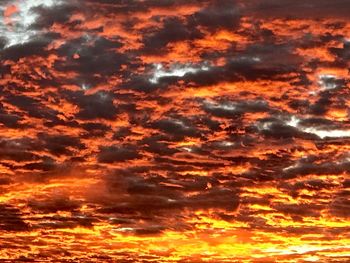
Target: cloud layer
point(174, 131)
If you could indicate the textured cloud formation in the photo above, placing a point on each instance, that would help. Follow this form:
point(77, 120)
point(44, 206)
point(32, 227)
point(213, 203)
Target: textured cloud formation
point(174, 131)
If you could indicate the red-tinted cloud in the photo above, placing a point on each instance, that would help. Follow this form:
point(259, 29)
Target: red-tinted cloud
point(174, 131)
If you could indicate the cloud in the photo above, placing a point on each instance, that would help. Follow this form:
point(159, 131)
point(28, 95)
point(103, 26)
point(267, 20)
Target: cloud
point(218, 15)
point(173, 30)
point(299, 9)
point(10, 219)
point(16, 26)
point(189, 130)
point(113, 154)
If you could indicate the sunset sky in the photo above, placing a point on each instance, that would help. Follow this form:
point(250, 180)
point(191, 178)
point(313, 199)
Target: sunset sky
point(190, 131)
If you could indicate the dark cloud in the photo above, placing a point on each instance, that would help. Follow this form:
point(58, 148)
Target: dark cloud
point(95, 129)
point(340, 205)
point(17, 150)
point(151, 144)
point(46, 164)
point(218, 15)
point(94, 106)
point(257, 62)
point(173, 30)
point(298, 9)
point(153, 198)
point(8, 119)
point(232, 109)
point(305, 168)
point(177, 128)
point(54, 205)
point(60, 144)
point(309, 210)
point(33, 107)
point(88, 57)
point(111, 154)
point(275, 128)
point(47, 16)
point(10, 219)
point(36, 47)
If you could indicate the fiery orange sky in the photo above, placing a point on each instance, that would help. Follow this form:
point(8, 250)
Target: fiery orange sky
point(188, 131)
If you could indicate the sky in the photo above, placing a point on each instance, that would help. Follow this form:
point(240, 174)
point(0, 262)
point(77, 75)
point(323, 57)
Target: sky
point(162, 131)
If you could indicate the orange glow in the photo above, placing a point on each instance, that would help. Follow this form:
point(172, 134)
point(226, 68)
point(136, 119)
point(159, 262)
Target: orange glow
point(175, 131)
